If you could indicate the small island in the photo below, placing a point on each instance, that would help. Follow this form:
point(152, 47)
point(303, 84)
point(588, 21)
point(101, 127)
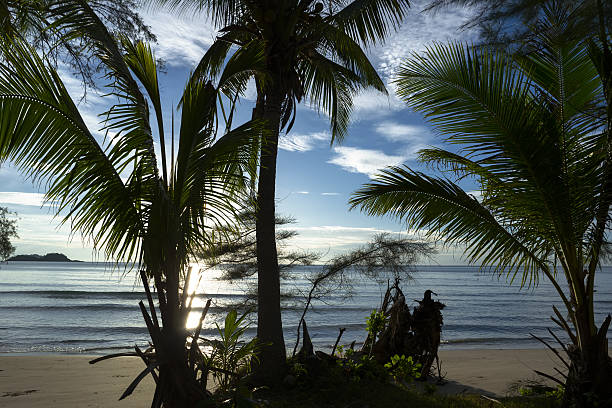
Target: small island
point(52, 257)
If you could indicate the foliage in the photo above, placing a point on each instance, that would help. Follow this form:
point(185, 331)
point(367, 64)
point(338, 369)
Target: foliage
point(403, 369)
point(375, 394)
point(384, 257)
point(375, 323)
point(114, 192)
point(534, 132)
point(231, 354)
point(294, 51)
point(8, 230)
point(60, 29)
point(516, 23)
point(361, 368)
point(236, 256)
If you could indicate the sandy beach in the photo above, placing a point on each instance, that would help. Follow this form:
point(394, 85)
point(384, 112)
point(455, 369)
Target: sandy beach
point(69, 381)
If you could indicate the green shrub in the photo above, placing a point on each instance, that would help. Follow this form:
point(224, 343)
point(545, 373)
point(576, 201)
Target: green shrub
point(403, 368)
point(230, 353)
point(375, 323)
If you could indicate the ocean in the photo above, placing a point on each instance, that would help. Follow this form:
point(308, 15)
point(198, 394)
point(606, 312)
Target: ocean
point(92, 308)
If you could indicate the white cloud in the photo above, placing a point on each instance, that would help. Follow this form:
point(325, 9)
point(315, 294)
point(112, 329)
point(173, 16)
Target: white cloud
point(299, 142)
point(180, 39)
point(417, 32)
point(366, 161)
point(20, 198)
point(397, 132)
point(331, 240)
point(420, 30)
point(372, 104)
point(330, 194)
point(301, 192)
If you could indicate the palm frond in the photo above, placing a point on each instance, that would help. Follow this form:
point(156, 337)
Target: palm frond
point(42, 132)
point(483, 102)
point(371, 20)
point(331, 87)
point(129, 118)
point(445, 211)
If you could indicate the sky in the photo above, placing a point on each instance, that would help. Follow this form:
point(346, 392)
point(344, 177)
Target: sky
point(314, 179)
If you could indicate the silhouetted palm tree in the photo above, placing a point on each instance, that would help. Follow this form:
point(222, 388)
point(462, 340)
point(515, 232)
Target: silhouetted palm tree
point(306, 51)
point(114, 193)
point(534, 132)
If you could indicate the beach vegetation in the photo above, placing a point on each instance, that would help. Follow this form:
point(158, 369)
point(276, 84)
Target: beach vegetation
point(385, 257)
point(112, 188)
point(533, 131)
point(305, 50)
point(231, 353)
point(8, 231)
point(403, 369)
point(375, 324)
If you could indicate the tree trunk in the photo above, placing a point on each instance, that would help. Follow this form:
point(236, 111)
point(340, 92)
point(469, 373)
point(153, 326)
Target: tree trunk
point(177, 384)
point(269, 323)
point(590, 374)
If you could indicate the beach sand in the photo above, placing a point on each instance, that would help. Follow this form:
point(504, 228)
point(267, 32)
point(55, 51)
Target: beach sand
point(69, 381)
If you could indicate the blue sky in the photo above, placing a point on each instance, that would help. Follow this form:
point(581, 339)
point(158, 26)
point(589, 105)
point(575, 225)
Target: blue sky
point(315, 179)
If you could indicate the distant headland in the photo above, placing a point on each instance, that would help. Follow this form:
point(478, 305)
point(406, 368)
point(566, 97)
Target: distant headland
point(52, 257)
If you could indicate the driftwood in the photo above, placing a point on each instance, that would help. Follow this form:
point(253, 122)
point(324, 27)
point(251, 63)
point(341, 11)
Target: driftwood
point(415, 334)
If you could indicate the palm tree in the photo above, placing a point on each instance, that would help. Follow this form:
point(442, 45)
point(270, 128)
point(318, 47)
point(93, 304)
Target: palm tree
point(534, 132)
point(309, 52)
point(114, 193)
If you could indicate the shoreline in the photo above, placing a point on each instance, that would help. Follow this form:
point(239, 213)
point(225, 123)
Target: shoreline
point(46, 380)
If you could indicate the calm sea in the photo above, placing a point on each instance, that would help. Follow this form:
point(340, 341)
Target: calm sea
point(93, 308)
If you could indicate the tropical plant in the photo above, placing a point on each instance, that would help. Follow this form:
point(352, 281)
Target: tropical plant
point(8, 230)
point(533, 132)
point(403, 368)
point(231, 353)
point(375, 324)
point(310, 51)
point(113, 192)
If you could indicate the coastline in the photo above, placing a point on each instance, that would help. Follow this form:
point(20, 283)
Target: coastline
point(49, 380)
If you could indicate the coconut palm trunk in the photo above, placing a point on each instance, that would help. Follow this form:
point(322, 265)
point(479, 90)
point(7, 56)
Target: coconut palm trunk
point(310, 51)
point(269, 319)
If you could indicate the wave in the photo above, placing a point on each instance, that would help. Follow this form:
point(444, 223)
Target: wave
point(72, 294)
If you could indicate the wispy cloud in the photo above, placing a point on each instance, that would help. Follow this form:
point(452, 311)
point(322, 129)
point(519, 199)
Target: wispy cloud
point(21, 198)
point(300, 142)
point(331, 240)
point(417, 32)
point(182, 40)
point(371, 104)
point(330, 194)
point(365, 161)
point(301, 192)
point(397, 132)
point(420, 30)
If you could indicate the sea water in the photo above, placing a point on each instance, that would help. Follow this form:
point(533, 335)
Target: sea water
point(93, 308)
